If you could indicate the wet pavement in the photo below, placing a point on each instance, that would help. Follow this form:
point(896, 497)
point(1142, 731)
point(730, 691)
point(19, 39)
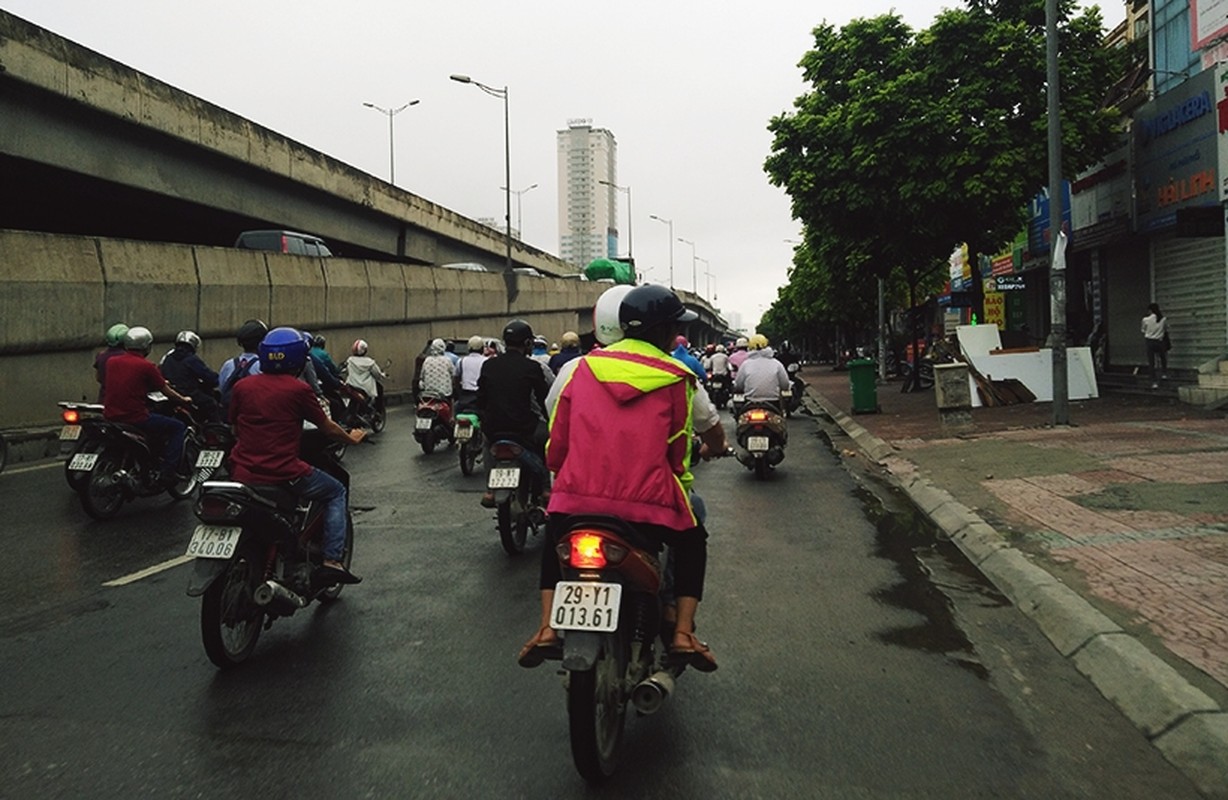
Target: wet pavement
point(1128, 505)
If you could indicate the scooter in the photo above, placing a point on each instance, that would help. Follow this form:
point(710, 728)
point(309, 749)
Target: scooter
point(433, 423)
point(720, 388)
point(762, 435)
point(468, 435)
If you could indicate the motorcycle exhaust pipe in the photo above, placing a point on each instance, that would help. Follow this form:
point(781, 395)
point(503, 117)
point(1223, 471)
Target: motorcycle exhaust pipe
point(277, 598)
point(649, 695)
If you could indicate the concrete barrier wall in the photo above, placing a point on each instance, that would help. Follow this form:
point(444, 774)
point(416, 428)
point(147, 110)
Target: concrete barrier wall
point(59, 294)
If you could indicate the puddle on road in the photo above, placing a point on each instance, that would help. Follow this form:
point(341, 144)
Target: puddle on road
point(929, 569)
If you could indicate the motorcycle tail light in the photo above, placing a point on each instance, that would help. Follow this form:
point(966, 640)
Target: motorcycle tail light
point(217, 508)
point(756, 415)
point(71, 416)
point(587, 551)
point(506, 451)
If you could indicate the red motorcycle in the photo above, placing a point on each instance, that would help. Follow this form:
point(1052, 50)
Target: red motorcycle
point(433, 423)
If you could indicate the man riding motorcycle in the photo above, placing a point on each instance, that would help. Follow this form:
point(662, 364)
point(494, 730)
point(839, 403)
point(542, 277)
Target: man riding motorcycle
point(512, 399)
point(467, 373)
point(115, 346)
point(620, 445)
point(249, 337)
point(191, 376)
point(267, 411)
point(761, 378)
point(129, 378)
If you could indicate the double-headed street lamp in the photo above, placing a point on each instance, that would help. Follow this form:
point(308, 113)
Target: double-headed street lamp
point(391, 112)
point(670, 223)
point(627, 189)
point(519, 193)
point(694, 258)
point(507, 161)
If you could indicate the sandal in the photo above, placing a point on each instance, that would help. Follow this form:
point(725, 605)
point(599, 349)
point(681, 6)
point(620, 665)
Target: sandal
point(697, 655)
point(539, 648)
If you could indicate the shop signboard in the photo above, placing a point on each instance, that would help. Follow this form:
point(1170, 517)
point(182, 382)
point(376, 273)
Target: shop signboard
point(1009, 283)
point(1038, 220)
point(1221, 118)
point(1208, 22)
point(1100, 201)
point(961, 270)
point(1176, 153)
point(995, 309)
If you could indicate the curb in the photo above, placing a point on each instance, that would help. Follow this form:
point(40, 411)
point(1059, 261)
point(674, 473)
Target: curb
point(1180, 720)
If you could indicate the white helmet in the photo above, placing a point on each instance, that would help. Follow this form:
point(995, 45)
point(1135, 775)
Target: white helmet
point(359, 348)
point(606, 326)
point(475, 344)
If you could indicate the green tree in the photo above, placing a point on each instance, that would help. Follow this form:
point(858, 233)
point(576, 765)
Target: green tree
point(911, 142)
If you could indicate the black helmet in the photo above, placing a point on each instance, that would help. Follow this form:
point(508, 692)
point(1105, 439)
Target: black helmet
point(516, 333)
point(251, 333)
point(318, 341)
point(650, 305)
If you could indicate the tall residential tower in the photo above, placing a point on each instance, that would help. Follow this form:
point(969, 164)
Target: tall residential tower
point(588, 209)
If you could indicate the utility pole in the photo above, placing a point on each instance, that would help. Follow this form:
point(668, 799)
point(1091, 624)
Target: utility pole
point(1057, 237)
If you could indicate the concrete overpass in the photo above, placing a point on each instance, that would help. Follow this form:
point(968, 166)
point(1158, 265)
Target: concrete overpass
point(121, 199)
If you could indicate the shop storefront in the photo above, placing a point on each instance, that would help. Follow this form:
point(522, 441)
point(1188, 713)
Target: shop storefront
point(1179, 194)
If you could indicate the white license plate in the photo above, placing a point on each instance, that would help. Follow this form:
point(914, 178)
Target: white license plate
point(585, 606)
point(463, 432)
point(423, 423)
point(757, 444)
point(70, 433)
point(83, 462)
point(214, 541)
point(738, 398)
point(209, 459)
point(504, 478)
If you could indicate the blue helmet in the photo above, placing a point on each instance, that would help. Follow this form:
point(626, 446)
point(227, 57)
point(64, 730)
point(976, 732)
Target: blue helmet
point(283, 351)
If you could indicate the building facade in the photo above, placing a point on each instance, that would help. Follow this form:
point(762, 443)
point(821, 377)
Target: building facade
point(588, 207)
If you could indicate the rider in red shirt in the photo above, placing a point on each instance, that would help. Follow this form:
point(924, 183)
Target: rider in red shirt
point(267, 411)
point(129, 377)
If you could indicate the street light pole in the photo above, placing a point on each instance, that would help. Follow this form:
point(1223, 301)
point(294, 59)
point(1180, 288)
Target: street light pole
point(694, 258)
point(670, 223)
point(1057, 238)
point(519, 193)
point(627, 189)
point(391, 112)
point(507, 166)
point(708, 279)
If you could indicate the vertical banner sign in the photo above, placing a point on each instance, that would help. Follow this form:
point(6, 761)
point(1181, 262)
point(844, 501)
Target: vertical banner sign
point(1221, 118)
point(995, 305)
point(1208, 22)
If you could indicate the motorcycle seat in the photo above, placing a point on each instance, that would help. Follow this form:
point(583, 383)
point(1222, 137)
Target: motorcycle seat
point(285, 498)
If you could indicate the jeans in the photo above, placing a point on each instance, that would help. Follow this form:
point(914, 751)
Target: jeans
point(1155, 347)
point(171, 431)
point(319, 485)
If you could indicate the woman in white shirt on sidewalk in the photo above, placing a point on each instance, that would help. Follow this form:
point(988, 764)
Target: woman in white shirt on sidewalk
point(1155, 336)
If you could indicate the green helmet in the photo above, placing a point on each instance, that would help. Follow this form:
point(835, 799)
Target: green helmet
point(115, 334)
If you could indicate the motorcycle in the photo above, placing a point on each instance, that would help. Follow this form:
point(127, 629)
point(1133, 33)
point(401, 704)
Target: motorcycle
point(256, 552)
point(518, 507)
point(720, 388)
point(217, 440)
point(468, 434)
point(609, 610)
point(72, 436)
point(433, 423)
point(362, 411)
point(762, 435)
point(792, 400)
point(120, 465)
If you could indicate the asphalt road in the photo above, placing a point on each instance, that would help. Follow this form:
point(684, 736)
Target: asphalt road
point(849, 668)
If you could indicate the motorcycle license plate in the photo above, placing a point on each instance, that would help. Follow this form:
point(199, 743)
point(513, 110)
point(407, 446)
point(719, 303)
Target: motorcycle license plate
point(83, 462)
point(463, 432)
point(504, 478)
point(70, 433)
point(423, 423)
point(757, 444)
point(214, 541)
point(209, 459)
point(585, 606)
point(739, 398)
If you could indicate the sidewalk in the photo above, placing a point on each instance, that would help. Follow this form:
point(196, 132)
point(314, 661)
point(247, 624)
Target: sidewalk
point(1111, 533)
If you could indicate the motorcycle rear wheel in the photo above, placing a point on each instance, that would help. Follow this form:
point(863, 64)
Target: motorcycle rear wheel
point(230, 622)
point(379, 418)
point(512, 531)
point(100, 496)
point(761, 468)
point(468, 457)
point(428, 442)
point(184, 487)
point(596, 711)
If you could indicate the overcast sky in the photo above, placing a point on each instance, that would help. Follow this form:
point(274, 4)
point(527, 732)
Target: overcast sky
point(687, 89)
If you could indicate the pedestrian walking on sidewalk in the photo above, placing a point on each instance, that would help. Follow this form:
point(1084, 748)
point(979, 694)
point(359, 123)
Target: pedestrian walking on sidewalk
point(1155, 336)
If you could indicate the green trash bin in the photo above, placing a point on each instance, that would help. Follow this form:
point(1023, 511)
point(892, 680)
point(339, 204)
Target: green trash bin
point(863, 381)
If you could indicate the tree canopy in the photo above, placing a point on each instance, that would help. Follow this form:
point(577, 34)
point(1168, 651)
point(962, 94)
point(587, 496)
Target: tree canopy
point(910, 142)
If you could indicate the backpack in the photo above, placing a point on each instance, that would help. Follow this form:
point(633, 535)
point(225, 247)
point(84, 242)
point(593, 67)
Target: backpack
point(243, 368)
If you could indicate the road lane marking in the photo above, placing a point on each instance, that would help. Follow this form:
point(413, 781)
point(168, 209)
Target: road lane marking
point(31, 468)
point(154, 570)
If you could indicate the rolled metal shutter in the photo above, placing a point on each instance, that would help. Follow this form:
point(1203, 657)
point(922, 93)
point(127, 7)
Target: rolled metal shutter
point(1191, 286)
